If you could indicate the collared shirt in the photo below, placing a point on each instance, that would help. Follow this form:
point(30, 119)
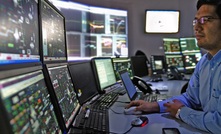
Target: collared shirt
point(203, 96)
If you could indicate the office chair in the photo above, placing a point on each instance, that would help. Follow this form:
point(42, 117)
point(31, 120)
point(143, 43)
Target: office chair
point(183, 90)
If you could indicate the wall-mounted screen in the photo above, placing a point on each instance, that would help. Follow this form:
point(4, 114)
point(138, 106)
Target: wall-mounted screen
point(101, 31)
point(162, 21)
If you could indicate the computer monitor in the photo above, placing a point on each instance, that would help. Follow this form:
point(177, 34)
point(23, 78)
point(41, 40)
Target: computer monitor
point(104, 72)
point(19, 34)
point(25, 102)
point(53, 39)
point(158, 64)
point(189, 45)
point(139, 65)
point(83, 79)
point(190, 61)
point(61, 87)
point(171, 45)
point(122, 63)
point(175, 60)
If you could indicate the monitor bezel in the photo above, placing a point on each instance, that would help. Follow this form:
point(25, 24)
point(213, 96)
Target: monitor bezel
point(54, 99)
point(41, 33)
point(75, 87)
point(161, 58)
point(100, 90)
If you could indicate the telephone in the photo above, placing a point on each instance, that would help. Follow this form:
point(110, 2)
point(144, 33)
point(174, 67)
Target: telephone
point(142, 85)
point(174, 74)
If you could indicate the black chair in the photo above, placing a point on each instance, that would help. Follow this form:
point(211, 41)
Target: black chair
point(183, 90)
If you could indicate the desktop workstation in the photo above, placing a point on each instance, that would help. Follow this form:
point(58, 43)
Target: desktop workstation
point(43, 93)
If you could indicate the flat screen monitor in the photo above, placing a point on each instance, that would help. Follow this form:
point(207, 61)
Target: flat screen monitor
point(175, 60)
point(158, 64)
point(59, 81)
point(190, 61)
point(84, 80)
point(189, 45)
point(171, 45)
point(26, 102)
point(19, 33)
point(162, 21)
point(104, 72)
point(122, 63)
point(139, 65)
point(53, 41)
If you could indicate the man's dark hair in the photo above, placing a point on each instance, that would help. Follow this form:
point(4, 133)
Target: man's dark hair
point(216, 3)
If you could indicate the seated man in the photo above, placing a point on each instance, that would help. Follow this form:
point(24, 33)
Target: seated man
point(200, 105)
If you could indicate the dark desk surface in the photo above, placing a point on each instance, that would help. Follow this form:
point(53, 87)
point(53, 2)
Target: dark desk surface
point(120, 123)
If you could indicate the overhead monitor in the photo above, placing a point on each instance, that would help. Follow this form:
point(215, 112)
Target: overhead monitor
point(19, 33)
point(139, 65)
point(122, 63)
point(84, 80)
point(162, 21)
point(26, 103)
point(158, 64)
point(171, 45)
point(104, 72)
point(53, 41)
point(61, 86)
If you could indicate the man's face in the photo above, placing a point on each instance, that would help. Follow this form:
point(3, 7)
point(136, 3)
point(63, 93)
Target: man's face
point(208, 34)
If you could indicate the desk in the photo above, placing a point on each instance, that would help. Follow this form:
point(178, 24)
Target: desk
point(120, 123)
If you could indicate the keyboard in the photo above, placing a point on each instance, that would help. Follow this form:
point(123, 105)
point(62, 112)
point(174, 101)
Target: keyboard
point(96, 122)
point(97, 119)
point(155, 97)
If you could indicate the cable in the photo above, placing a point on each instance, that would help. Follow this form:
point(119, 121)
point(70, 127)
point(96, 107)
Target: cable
point(123, 132)
point(115, 111)
point(123, 101)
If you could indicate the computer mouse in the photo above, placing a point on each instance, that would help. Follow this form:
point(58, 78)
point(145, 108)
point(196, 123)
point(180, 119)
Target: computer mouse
point(131, 110)
point(139, 121)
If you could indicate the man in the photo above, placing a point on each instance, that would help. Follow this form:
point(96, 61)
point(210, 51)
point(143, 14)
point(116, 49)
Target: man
point(200, 105)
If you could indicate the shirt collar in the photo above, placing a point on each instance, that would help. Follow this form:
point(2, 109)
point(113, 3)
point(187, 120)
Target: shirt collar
point(216, 57)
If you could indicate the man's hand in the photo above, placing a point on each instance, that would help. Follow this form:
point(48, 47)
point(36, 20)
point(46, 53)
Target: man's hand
point(144, 106)
point(173, 107)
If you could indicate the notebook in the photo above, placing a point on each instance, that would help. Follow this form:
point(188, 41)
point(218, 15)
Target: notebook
point(132, 92)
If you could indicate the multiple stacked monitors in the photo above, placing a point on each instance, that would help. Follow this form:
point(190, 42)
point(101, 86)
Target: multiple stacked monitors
point(171, 45)
point(122, 63)
point(104, 72)
point(191, 53)
point(19, 34)
point(53, 34)
point(158, 64)
point(84, 80)
point(182, 53)
point(101, 31)
point(61, 84)
point(27, 103)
